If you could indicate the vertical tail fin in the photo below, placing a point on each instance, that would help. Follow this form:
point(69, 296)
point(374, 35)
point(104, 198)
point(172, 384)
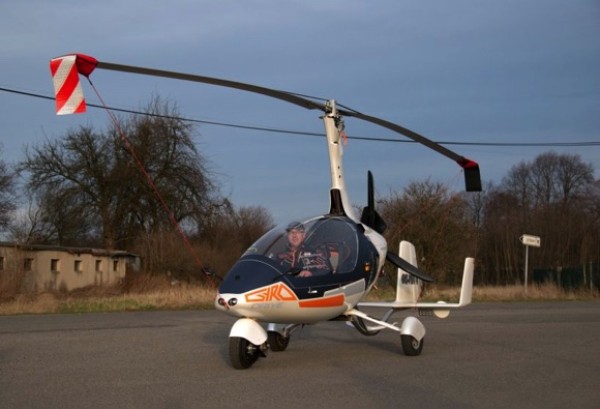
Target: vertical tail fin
point(408, 287)
point(466, 289)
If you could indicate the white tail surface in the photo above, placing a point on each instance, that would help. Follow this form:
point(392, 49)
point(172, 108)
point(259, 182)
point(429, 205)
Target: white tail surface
point(466, 289)
point(408, 288)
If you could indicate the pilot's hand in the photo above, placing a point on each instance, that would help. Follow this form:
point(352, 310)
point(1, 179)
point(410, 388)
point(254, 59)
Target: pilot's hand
point(305, 273)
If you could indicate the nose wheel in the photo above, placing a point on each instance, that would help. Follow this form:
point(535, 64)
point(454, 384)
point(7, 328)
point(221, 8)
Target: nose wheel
point(242, 352)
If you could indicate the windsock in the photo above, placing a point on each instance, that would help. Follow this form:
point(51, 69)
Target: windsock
point(65, 72)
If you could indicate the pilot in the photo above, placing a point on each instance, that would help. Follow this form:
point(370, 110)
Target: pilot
point(298, 257)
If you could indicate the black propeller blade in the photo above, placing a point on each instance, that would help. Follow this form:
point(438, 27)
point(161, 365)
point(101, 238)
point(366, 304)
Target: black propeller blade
point(371, 218)
point(369, 215)
point(406, 266)
point(471, 168)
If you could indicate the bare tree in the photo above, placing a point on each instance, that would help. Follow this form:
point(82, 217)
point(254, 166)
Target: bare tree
point(231, 231)
point(57, 222)
point(7, 190)
point(499, 255)
point(226, 234)
point(437, 222)
point(124, 179)
point(173, 173)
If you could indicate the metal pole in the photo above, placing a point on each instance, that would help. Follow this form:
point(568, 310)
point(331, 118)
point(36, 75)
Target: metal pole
point(526, 265)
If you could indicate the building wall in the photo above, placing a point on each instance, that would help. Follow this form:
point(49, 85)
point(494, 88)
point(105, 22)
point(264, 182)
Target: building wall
point(64, 269)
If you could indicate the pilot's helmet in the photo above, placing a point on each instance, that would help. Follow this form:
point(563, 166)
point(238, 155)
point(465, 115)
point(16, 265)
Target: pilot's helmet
point(295, 226)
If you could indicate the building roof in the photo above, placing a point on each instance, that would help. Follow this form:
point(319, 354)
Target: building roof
point(72, 250)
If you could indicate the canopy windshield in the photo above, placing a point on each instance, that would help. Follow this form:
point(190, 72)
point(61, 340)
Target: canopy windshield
point(336, 237)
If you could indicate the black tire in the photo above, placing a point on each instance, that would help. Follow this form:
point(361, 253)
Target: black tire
point(277, 342)
point(242, 353)
point(411, 346)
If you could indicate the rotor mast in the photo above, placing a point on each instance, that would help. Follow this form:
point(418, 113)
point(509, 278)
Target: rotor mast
point(334, 127)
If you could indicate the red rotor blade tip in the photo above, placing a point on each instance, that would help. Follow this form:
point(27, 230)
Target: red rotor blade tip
point(85, 64)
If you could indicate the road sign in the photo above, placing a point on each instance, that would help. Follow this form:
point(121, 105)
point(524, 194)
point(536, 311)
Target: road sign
point(529, 240)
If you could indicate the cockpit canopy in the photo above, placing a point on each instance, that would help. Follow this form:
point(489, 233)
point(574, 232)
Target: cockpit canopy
point(337, 235)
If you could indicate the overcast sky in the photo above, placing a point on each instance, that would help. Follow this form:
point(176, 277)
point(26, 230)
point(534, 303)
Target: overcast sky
point(468, 71)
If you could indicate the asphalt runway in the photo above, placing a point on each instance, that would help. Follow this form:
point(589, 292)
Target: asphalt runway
point(513, 355)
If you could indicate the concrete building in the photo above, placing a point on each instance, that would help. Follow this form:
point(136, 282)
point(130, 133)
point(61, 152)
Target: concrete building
point(46, 267)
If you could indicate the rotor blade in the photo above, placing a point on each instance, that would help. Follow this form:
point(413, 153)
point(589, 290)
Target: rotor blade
point(283, 95)
point(471, 168)
point(408, 267)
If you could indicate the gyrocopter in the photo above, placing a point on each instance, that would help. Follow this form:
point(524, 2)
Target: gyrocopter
point(313, 270)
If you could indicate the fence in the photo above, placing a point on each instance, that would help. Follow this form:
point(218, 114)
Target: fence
point(578, 277)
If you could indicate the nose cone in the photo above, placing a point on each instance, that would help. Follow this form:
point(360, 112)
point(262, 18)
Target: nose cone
point(249, 273)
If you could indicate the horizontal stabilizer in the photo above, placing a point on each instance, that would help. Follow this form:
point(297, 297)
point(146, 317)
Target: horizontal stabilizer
point(466, 294)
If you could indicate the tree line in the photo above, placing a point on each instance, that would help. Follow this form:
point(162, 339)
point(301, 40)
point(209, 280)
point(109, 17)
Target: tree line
point(112, 189)
point(553, 196)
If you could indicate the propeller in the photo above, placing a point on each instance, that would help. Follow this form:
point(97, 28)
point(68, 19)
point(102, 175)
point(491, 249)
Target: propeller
point(86, 65)
point(406, 266)
point(371, 218)
point(369, 215)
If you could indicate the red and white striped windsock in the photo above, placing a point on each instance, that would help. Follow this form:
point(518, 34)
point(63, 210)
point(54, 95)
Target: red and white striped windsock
point(67, 88)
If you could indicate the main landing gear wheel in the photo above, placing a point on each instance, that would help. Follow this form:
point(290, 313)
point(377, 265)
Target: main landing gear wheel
point(411, 346)
point(242, 352)
point(277, 342)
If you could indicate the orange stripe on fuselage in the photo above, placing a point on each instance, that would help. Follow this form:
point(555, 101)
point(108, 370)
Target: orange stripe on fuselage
point(334, 301)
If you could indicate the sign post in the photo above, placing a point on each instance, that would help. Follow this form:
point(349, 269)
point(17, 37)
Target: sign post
point(528, 241)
